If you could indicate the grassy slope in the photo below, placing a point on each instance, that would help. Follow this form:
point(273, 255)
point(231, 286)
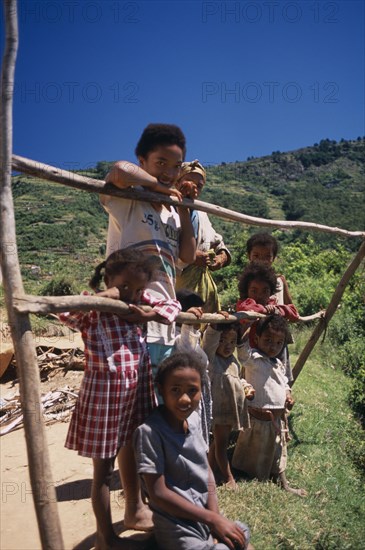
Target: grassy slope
point(323, 431)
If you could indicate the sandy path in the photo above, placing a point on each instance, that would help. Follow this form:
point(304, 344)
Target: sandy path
point(72, 476)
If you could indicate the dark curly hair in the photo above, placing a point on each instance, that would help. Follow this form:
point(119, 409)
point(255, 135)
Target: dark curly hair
point(119, 260)
point(235, 325)
point(256, 271)
point(262, 239)
point(179, 361)
point(155, 135)
point(188, 299)
point(274, 322)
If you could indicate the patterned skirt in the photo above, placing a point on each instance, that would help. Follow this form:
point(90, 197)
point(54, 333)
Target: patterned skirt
point(110, 407)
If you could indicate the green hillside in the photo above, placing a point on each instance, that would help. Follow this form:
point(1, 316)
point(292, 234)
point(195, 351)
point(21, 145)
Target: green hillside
point(59, 229)
point(324, 184)
point(63, 230)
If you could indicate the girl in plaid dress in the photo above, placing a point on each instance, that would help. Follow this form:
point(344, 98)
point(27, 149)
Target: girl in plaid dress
point(116, 394)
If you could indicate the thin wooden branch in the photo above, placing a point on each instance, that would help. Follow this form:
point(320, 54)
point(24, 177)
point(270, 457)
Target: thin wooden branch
point(44, 305)
point(43, 490)
point(332, 307)
point(313, 317)
point(51, 173)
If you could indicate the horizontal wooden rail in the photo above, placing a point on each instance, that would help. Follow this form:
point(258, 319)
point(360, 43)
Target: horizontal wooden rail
point(45, 305)
point(51, 173)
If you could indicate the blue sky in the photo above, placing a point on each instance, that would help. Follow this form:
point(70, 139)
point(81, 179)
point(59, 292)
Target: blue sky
point(240, 78)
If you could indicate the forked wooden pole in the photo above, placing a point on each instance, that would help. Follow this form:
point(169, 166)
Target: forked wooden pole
point(323, 323)
point(43, 490)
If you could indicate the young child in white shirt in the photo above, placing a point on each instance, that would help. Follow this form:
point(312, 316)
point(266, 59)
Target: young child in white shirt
point(261, 450)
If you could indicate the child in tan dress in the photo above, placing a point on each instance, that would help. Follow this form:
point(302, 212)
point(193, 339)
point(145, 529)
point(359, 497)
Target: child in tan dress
point(228, 390)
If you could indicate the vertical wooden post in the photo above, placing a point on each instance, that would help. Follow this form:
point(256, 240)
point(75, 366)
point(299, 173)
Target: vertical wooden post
point(44, 494)
point(330, 311)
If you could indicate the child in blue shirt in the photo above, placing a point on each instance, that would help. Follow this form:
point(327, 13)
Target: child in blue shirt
point(172, 461)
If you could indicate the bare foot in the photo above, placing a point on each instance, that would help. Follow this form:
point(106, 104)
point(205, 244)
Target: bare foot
point(139, 519)
point(298, 492)
point(231, 485)
point(285, 485)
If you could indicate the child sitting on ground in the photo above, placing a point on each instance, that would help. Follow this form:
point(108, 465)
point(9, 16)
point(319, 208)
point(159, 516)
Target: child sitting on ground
point(228, 394)
point(261, 450)
point(172, 462)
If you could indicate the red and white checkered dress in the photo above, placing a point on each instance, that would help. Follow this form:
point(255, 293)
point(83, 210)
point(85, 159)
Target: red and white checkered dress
point(116, 393)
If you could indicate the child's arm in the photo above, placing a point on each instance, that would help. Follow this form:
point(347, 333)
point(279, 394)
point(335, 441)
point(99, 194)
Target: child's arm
point(243, 353)
point(223, 255)
point(176, 505)
point(289, 401)
point(212, 503)
point(250, 305)
point(125, 174)
point(164, 311)
point(249, 390)
point(76, 319)
point(189, 337)
point(210, 343)
point(187, 242)
point(289, 311)
point(287, 296)
point(189, 340)
point(220, 260)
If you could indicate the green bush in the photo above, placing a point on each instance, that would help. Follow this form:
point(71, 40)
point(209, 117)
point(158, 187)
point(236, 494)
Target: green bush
point(347, 334)
point(313, 294)
point(58, 287)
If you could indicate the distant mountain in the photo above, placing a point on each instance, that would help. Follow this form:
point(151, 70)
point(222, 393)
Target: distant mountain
point(324, 184)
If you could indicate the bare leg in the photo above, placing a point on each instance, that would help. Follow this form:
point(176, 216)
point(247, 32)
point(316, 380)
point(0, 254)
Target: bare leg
point(283, 482)
point(100, 497)
point(213, 463)
point(136, 515)
point(221, 440)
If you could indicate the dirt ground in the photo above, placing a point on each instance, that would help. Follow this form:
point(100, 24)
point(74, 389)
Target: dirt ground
point(72, 476)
